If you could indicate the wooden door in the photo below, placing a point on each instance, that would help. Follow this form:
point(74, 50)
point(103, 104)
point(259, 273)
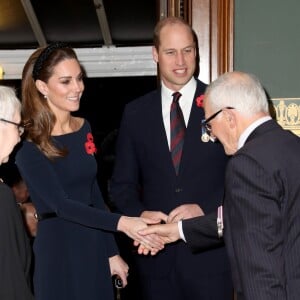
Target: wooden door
point(212, 21)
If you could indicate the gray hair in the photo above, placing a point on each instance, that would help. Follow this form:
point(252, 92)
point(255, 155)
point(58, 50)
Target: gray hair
point(240, 90)
point(9, 103)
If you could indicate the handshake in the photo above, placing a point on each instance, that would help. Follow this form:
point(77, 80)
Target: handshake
point(148, 232)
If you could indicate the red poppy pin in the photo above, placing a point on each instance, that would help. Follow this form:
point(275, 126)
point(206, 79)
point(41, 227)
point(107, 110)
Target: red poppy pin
point(90, 147)
point(199, 100)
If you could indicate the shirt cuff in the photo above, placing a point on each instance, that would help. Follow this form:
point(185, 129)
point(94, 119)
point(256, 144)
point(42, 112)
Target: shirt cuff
point(179, 224)
point(220, 224)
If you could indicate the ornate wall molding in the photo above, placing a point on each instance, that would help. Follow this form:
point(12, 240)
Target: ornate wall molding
point(98, 62)
point(287, 112)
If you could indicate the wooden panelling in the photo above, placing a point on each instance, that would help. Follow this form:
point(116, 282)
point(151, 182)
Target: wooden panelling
point(212, 21)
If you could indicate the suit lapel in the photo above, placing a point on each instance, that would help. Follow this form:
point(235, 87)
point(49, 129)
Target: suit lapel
point(159, 136)
point(193, 132)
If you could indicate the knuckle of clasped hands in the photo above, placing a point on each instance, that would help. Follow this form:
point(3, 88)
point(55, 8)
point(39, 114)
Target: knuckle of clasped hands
point(150, 243)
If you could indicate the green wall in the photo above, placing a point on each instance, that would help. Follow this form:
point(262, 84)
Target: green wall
point(267, 44)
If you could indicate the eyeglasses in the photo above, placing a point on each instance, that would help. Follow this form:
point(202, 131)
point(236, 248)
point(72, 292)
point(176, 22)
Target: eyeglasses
point(206, 127)
point(205, 122)
point(20, 126)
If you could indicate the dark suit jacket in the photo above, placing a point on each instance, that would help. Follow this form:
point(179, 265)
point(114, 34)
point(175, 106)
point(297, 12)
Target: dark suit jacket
point(144, 179)
point(201, 232)
point(15, 250)
point(262, 215)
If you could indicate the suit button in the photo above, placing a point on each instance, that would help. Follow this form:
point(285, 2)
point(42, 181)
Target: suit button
point(178, 190)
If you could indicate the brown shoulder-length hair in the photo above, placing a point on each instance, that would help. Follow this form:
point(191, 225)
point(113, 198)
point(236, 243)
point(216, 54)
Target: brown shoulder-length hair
point(37, 116)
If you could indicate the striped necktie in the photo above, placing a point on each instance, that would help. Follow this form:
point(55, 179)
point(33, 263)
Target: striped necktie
point(177, 131)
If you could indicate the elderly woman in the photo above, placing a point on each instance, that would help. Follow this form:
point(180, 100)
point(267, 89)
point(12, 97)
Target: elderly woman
point(15, 251)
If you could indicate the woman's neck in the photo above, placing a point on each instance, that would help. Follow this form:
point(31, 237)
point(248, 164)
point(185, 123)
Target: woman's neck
point(66, 125)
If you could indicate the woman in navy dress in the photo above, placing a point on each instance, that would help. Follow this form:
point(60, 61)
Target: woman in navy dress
point(75, 251)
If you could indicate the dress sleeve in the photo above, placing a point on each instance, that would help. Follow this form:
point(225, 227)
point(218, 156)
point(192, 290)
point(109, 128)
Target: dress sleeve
point(43, 183)
point(111, 242)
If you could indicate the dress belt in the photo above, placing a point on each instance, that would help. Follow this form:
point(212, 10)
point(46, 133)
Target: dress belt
point(44, 216)
point(48, 215)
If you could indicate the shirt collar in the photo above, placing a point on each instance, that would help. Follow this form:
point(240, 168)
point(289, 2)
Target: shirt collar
point(244, 136)
point(188, 91)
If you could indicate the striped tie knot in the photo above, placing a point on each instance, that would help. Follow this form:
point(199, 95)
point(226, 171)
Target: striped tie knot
point(176, 96)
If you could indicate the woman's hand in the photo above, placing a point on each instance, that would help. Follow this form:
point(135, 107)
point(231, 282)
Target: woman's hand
point(132, 225)
point(119, 267)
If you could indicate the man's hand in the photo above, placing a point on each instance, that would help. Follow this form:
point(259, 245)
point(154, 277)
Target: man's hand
point(132, 225)
point(168, 233)
point(155, 215)
point(185, 211)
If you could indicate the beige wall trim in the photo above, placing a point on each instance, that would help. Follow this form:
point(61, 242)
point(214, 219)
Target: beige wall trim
point(287, 112)
point(98, 62)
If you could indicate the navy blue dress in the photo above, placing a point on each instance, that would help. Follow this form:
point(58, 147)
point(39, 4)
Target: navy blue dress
point(71, 250)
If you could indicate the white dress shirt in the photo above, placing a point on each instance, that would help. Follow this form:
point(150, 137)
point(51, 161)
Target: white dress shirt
point(185, 102)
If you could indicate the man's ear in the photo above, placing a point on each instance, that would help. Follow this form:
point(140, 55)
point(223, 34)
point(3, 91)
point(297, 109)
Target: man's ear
point(230, 117)
point(155, 54)
point(42, 87)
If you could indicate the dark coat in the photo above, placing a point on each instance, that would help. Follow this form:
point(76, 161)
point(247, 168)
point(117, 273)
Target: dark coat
point(262, 215)
point(15, 250)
